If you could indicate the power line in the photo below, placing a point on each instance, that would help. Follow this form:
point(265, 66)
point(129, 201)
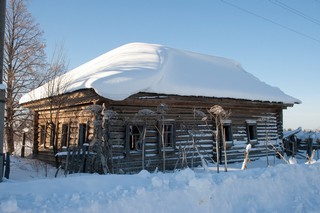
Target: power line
point(295, 11)
point(271, 21)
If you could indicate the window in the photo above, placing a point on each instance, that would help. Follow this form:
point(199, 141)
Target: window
point(43, 132)
point(251, 131)
point(82, 134)
point(52, 134)
point(227, 130)
point(134, 137)
point(167, 134)
point(227, 133)
point(65, 135)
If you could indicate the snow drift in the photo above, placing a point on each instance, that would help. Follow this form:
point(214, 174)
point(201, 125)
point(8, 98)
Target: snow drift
point(278, 188)
point(141, 67)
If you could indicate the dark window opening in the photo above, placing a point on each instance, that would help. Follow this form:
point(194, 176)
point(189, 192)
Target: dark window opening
point(43, 133)
point(227, 136)
point(82, 134)
point(65, 135)
point(252, 131)
point(168, 135)
point(52, 134)
point(227, 132)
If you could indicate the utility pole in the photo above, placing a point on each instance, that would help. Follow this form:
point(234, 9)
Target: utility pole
point(2, 87)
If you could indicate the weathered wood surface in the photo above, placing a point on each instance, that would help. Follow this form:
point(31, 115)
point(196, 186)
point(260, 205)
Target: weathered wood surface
point(79, 160)
point(189, 149)
point(194, 138)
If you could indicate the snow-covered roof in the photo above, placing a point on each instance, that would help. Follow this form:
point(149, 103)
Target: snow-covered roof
point(287, 134)
point(142, 67)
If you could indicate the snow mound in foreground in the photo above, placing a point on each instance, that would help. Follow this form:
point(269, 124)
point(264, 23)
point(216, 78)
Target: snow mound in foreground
point(282, 188)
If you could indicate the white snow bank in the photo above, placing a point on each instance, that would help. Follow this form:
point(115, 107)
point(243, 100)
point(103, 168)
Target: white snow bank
point(281, 188)
point(141, 67)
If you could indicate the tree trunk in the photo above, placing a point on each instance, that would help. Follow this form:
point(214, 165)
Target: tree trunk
point(224, 146)
point(35, 134)
point(9, 110)
point(217, 144)
point(9, 116)
point(10, 141)
point(23, 56)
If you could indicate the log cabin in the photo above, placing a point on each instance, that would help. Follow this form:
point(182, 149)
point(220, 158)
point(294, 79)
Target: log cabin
point(154, 112)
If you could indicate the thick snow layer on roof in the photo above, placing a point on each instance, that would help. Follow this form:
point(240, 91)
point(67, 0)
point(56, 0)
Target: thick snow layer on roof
point(141, 67)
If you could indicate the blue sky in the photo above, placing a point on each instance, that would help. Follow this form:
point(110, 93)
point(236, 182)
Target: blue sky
point(278, 41)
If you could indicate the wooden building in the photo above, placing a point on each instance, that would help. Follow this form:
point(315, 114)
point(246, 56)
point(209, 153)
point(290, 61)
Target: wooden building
point(160, 120)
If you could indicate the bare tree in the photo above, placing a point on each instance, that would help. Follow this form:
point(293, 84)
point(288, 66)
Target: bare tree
point(54, 88)
point(23, 58)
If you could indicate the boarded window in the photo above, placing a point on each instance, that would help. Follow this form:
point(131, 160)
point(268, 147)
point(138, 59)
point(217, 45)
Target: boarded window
point(65, 135)
point(134, 137)
point(82, 138)
point(167, 134)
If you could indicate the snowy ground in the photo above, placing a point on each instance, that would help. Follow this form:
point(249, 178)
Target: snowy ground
point(261, 188)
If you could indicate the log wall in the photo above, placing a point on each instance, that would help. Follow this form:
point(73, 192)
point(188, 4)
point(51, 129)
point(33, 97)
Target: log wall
point(194, 137)
point(72, 117)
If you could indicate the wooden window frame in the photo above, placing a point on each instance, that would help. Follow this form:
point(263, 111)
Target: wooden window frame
point(65, 135)
point(227, 131)
point(252, 133)
point(134, 138)
point(83, 134)
point(43, 135)
point(52, 134)
point(168, 134)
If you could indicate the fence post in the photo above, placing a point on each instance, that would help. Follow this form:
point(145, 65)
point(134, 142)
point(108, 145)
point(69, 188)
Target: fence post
point(23, 144)
point(2, 87)
point(1, 165)
point(25, 131)
point(7, 171)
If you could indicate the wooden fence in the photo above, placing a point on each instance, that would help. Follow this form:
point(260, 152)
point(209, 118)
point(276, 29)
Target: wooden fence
point(79, 160)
